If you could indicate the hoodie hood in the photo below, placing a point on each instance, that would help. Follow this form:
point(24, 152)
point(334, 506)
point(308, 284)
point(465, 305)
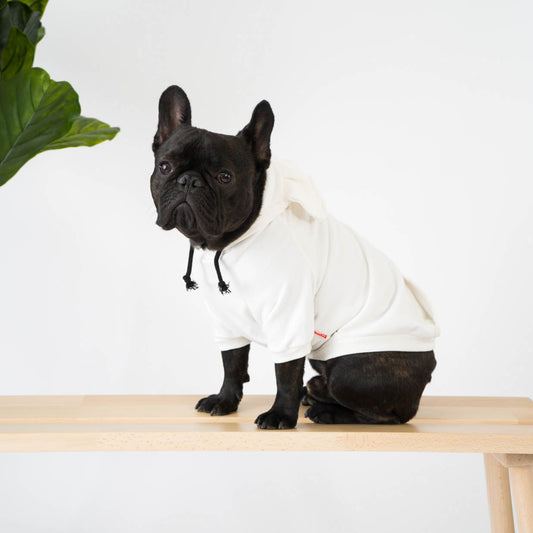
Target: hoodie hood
point(287, 186)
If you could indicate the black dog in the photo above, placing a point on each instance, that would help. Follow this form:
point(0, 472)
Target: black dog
point(301, 282)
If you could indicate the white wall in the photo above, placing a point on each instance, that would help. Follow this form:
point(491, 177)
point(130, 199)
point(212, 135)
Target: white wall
point(415, 119)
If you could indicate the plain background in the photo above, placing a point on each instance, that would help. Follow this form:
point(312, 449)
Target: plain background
point(415, 120)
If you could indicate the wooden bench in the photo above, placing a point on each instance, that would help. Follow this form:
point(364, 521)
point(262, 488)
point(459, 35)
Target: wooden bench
point(499, 428)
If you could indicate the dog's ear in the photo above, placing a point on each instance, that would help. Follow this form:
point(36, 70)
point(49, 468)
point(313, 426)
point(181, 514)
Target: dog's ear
point(174, 111)
point(257, 133)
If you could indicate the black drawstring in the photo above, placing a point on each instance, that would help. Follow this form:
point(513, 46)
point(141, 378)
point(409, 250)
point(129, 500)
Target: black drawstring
point(223, 287)
point(191, 285)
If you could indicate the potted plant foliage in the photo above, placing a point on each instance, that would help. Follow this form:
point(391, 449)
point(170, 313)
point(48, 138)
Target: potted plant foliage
point(36, 112)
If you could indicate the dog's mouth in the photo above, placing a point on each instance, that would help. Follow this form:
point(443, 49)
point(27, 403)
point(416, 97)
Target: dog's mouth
point(180, 216)
point(185, 218)
point(194, 215)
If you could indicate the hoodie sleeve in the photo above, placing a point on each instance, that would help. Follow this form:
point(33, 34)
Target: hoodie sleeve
point(224, 334)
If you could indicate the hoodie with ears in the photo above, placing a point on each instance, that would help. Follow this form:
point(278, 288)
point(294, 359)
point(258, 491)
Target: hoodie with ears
point(304, 284)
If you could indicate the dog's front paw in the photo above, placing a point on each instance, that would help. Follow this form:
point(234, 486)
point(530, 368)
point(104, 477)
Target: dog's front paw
point(218, 405)
point(275, 419)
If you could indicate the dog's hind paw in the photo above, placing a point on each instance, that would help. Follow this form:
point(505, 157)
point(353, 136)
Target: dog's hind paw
point(320, 413)
point(329, 413)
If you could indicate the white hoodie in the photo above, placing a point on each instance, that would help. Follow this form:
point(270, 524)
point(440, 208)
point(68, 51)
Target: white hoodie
point(304, 284)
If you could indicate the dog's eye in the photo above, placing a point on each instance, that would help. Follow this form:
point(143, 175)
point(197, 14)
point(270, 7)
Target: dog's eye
point(224, 176)
point(164, 167)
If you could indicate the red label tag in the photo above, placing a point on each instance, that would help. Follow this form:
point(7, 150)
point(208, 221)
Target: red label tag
point(321, 335)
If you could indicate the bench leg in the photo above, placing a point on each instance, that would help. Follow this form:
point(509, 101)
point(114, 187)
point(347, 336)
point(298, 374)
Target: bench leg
point(500, 506)
point(522, 483)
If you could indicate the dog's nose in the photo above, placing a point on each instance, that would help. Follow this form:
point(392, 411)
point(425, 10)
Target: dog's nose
point(189, 180)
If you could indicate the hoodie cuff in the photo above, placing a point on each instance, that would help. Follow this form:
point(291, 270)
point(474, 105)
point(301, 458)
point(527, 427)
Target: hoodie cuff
point(291, 354)
point(232, 344)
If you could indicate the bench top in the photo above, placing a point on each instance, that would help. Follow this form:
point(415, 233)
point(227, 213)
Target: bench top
point(169, 422)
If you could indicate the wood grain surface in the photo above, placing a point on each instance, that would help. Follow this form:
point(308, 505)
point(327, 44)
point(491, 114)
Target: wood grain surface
point(169, 422)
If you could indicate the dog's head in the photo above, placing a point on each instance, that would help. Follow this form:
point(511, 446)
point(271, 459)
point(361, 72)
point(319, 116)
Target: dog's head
point(207, 185)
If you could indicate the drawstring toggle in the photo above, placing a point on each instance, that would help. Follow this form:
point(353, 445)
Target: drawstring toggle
point(223, 287)
point(189, 283)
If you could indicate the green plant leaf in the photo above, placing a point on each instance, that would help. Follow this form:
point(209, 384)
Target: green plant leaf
point(84, 132)
point(5, 24)
point(34, 111)
point(40, 34)
point(35, 5)
point(17, 55)
point(26, 20)
point(20, 16)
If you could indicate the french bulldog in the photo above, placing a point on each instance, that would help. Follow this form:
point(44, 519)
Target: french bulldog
point(280, 271)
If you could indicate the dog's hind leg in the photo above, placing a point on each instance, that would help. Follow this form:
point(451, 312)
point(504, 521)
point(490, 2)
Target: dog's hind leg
point(316, 389)
point(372, 388)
